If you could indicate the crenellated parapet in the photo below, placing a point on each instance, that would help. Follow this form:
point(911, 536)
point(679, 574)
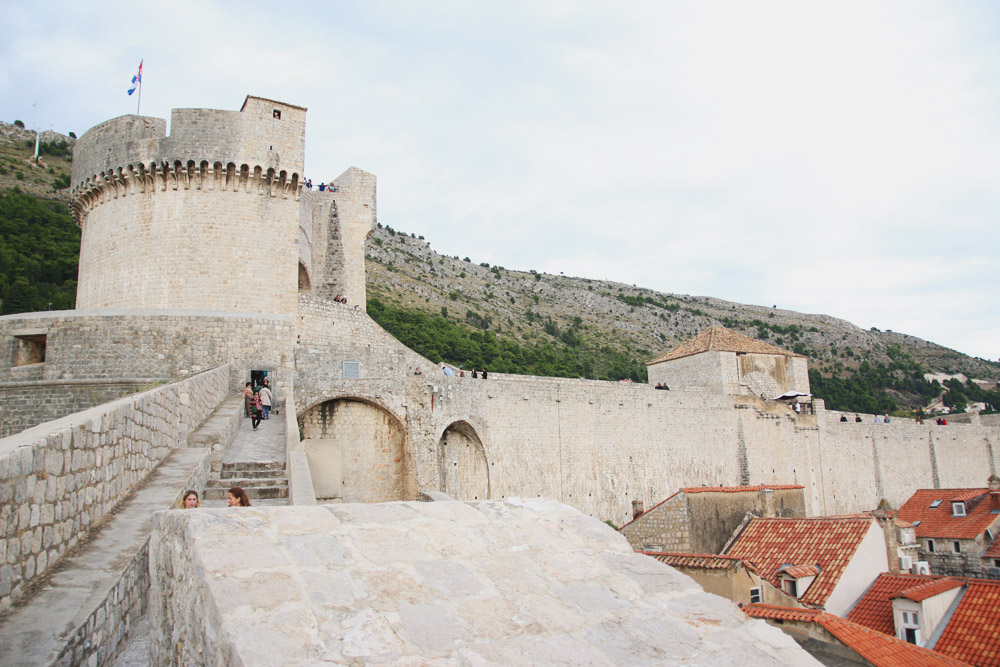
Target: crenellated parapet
point(161, 176)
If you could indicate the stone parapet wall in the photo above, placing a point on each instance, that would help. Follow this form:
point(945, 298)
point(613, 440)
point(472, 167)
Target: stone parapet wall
point(59, 479)
point(27, 404)
point(149, 345)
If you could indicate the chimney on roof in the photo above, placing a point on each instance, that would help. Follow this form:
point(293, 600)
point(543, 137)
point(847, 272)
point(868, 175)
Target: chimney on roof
point(886, 518)
point(768, 504)
point(994, 483)
point(636, 508)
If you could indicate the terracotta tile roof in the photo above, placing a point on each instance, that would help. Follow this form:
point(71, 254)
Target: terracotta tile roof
point(740, 489)
point(702, 561)
point(875, 647)
point(874, 609)
point(799, 571)
point(973, 633)
point(994, 550)
point(829, 543)
point(938, 521)
point(929, 589)
point(721, 339)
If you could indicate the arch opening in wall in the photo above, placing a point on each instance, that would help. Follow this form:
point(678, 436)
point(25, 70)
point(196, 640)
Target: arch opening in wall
point(464, 471)
point(357, 452)
point(304, 283)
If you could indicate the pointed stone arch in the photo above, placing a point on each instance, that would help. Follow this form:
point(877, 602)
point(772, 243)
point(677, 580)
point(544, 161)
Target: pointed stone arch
point(358, 452)
point(305, 284)
point(462, 464)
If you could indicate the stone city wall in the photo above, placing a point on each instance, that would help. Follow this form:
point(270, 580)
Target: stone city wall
point(27, 404)
point(59, 479)
point(150, 345)
point(600, 445)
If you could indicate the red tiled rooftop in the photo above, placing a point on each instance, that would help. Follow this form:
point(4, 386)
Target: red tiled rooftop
point(973, 633)
point(703, 561)
point(929, 589)
point(874, 609)
point(721, 339)
point(875, 647)
point(827, 542)
point(799, 571)
point(939, 522)
point(994, 550)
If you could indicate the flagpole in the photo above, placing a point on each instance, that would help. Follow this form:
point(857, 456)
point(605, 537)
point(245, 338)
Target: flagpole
point(139, 101)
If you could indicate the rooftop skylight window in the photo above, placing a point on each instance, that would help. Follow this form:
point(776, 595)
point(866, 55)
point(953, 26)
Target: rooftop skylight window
point(936, 503)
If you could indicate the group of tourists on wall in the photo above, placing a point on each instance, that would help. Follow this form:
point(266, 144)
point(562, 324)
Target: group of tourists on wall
point(257, 402)
point(322, 187)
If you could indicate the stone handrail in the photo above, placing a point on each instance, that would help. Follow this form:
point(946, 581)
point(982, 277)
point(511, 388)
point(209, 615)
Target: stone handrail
point(300, 486)
point(59, 479)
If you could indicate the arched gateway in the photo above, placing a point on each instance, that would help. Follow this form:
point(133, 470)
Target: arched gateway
point(465, 473)
point(357, 452)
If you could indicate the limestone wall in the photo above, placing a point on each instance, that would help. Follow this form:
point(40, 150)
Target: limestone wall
point(59, 479)
point(150, 346)
point(600, 445)
point(205, 218)
point(27, 404)
point(525, 581)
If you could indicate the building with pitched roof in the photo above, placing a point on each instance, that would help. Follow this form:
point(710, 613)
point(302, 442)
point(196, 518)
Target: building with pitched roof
point(834, 640)
point(721, 360)
point(825, 562)
point(702, 519)
point(954, 616)
point(957, 529)
point(728, 577)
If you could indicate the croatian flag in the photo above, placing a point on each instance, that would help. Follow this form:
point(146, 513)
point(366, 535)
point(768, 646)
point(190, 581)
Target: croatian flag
point(136, 80)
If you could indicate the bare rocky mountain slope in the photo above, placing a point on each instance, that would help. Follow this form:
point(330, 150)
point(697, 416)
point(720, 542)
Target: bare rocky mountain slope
point(406, 272)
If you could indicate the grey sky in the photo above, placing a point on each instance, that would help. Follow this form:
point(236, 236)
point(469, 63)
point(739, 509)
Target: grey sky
point(839, 157)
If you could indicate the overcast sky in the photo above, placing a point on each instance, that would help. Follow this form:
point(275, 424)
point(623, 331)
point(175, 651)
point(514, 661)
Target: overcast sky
point(838, 157)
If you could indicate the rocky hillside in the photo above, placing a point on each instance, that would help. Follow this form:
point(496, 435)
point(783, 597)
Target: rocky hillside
point(535, 308)
point(49, 178)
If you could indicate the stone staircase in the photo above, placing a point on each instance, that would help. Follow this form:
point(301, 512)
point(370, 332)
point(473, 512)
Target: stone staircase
point(262, 480)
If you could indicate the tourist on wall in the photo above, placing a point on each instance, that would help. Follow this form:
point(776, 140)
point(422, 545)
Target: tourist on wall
point(265, 400)
point(189, 500)
point(484, 372)
point(247, 398)
point(238, 497)
point(256, 410)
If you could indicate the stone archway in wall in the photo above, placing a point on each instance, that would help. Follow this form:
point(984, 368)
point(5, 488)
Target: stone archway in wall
point(357, 452)
point(464, 470)
point(304, 283)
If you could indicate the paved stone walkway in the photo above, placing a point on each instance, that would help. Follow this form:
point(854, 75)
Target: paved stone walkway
point(267, 443)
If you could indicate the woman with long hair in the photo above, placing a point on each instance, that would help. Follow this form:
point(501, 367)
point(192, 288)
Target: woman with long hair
point(238, 497)
point(189, 500)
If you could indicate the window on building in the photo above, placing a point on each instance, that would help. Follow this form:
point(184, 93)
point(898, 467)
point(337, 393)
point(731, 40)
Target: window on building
point(910, 630)
point(352, 370)
point(29, 349)
point(937, 503)
point(930, 546)
point(996, 562)
point(756, 595)
point(790, 587)
point(276, 114)
point(956, 546)
point(958, 509)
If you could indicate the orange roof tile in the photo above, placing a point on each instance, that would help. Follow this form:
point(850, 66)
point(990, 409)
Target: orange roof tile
point(827, 542)
point(875, 647)
point(703, 561)
point(874, 609)
point(721, 339)
point(799, 571)
point(973, 633)
point(929, 589)
point(994, 550)
point(939, 522)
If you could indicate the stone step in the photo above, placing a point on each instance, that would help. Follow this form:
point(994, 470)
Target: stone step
point(232, 473)
point(246, 483)
point(213, 493)
point(253, 465)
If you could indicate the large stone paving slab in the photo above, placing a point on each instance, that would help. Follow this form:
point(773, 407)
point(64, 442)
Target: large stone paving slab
point(515, 582)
